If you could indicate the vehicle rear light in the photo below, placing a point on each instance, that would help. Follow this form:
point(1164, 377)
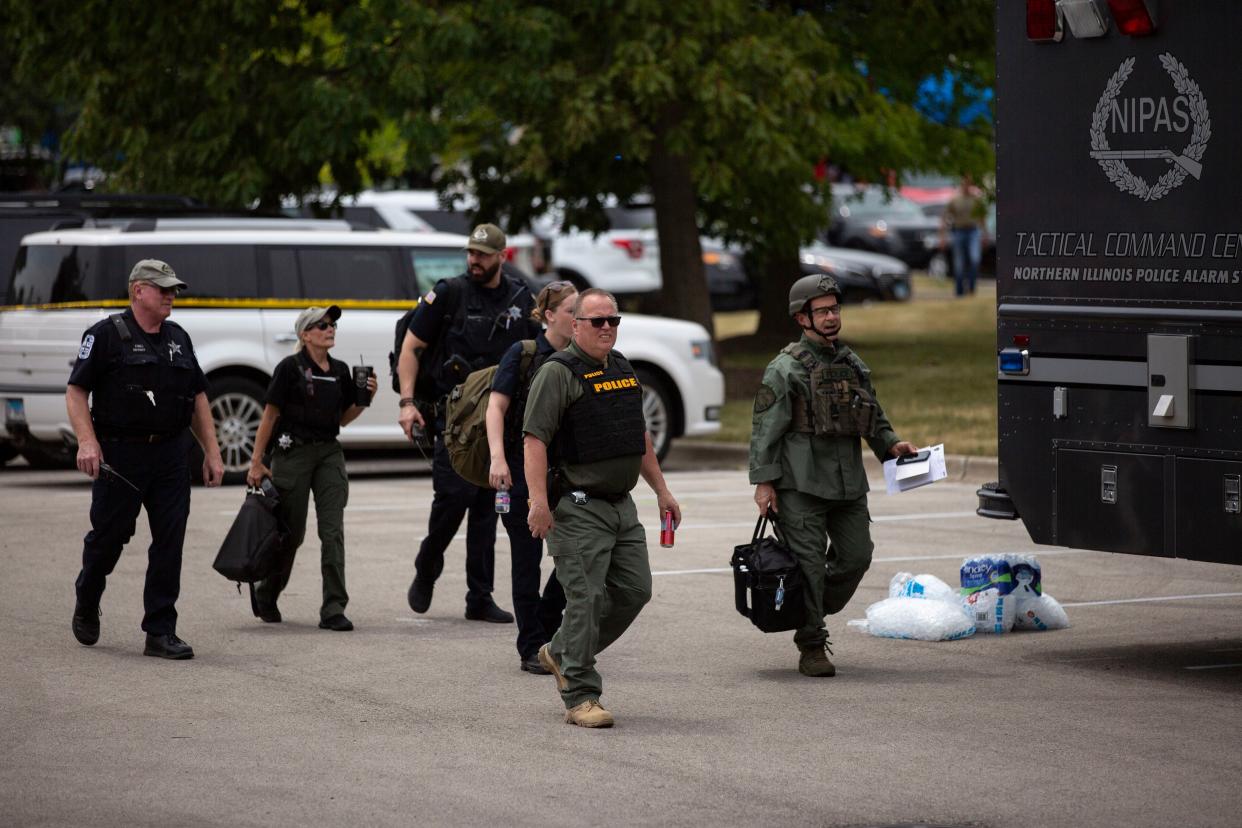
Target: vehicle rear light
point(1021, 340)
point(711, 258)
point(1015, 361)
point(1085, 17)
point(1134, 17)
point(510, 253)
point(1043, 21)
point(632, 247)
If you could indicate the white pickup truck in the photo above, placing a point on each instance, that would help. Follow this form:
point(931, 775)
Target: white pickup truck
point(246, 288)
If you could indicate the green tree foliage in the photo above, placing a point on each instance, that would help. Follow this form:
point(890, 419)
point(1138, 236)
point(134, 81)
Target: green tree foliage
point(229, 100)
point(719, 110)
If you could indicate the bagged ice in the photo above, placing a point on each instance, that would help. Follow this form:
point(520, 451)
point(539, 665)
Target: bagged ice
point(1038, 612)
point(917, 618)
point(906, 585)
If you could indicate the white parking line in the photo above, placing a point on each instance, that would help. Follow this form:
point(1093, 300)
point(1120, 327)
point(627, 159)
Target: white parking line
point(1154, 598)
point(1214, 666)
point(887, 559)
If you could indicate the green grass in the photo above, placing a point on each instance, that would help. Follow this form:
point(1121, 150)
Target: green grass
point(933, 362)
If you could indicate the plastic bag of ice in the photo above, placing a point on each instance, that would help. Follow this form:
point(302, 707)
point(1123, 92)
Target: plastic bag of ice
point(1038, 612)
point(926, 586)
point(987, 584)
point(917, 618)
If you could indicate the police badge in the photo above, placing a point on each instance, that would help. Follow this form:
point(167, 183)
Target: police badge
point(284, 441)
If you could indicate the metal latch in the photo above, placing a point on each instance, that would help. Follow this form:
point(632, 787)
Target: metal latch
point(1108, 484)
point(1233, 494)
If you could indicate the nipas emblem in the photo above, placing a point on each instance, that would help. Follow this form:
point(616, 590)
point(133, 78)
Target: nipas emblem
point(1113, 162)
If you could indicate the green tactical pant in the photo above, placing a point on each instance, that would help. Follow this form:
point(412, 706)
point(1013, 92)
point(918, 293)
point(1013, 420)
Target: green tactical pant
point(298, 471)
point(831, 571)
point(600, 552)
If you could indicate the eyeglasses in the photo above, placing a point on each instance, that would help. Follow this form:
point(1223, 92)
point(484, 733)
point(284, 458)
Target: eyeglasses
point(323, 326)
point(831, 310)
point(600, 321)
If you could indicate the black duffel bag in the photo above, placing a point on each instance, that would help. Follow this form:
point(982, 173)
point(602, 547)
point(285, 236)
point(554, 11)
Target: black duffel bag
point(255, 542)
point(767, 573)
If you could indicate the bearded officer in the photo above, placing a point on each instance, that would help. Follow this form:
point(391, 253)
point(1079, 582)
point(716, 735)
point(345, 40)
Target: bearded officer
point(815, 402)
point(147, 393)
point(584, 418)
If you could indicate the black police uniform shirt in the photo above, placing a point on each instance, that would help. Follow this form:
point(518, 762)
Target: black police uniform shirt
point(508, 372)
point(101, 354)
point(311, 400)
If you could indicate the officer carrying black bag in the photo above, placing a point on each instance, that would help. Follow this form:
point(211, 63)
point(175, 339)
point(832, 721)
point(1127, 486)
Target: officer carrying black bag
point(766, 573)
point(253, 546)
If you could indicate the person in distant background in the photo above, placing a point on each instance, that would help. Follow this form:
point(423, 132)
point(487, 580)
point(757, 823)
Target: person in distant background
point(963, 223)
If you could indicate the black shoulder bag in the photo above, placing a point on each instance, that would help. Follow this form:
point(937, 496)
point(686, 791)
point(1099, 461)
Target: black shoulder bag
point(768, 571)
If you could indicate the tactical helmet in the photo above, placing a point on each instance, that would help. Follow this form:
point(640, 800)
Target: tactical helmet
point(810, 287)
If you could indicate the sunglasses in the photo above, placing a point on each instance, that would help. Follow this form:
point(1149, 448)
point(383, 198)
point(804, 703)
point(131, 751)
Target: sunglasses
point(323, 326)
point(600, 321)
point(559, 285)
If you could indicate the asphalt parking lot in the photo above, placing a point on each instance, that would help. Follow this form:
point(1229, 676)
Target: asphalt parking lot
point(1130, 717)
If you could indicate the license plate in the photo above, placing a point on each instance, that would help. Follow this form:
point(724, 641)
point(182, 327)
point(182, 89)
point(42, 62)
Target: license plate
point(14, 412)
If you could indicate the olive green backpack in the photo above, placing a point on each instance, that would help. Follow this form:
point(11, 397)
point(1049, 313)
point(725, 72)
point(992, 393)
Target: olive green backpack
point(465, 421)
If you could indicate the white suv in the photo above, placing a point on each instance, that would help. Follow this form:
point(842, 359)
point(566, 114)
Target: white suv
point(246, 288)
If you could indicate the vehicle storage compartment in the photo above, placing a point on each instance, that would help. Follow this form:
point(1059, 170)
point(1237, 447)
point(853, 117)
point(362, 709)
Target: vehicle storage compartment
point(1209, 510)
point(1113, 501)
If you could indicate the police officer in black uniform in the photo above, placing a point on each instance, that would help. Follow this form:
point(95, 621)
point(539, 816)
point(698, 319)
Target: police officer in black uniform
point(146, 388)
point(463, 324)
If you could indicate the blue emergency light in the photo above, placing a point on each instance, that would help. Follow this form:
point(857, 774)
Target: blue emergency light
point(1015, 361)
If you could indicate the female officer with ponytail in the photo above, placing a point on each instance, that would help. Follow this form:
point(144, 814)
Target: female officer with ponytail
point(537, 618)
point(310, 397)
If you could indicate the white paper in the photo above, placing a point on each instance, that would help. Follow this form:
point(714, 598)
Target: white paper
point(908, 476)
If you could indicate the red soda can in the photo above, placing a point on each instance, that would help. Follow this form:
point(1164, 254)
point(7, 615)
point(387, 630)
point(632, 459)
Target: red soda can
point(666, 529)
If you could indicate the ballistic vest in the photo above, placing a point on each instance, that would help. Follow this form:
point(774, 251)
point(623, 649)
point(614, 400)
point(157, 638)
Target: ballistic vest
point(312, 411)
point(839, 405)
point(152, 389)
point(607, 420)
point(480, 330)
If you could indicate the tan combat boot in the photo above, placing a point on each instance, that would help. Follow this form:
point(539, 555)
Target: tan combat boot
point(549, 664)
point(814, 662)
point(589, 714)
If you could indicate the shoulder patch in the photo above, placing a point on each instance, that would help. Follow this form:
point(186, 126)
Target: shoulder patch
point(430, 297)
point(88, 342)
point(764, 399)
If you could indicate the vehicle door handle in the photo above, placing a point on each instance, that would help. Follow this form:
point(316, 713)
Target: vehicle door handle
point(285, 338)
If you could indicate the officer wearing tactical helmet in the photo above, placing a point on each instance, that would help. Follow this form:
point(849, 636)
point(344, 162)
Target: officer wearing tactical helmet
point(815, 402)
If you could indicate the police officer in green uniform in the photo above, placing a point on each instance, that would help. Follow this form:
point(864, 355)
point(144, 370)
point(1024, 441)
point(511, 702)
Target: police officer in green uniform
point(310, 397)
point(815, 402)
point(584, 420)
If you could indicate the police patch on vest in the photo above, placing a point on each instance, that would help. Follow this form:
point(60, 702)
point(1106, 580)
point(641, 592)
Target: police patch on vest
point(764, 399)
point(85, 351)
point(615, 385)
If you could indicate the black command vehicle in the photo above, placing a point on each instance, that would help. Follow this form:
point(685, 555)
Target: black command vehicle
point(1119, 275)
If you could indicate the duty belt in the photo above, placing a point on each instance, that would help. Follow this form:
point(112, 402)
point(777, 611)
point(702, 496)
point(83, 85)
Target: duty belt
point(581, 497)
point(139, 438)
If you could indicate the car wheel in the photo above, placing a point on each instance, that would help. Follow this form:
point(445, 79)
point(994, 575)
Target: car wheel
point(236, 408)
point(658, 411)
point(901, 290)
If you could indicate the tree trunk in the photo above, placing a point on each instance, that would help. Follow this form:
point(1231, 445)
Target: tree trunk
point(684, 294)
point(779, 269)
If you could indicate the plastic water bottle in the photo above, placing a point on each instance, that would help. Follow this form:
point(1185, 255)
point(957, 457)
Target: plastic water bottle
point(502, 501)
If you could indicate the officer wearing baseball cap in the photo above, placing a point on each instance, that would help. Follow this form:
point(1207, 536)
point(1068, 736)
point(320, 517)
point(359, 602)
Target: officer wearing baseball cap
point(310, 398)
point(815, 402)
point(146, 395)
point(463, 324)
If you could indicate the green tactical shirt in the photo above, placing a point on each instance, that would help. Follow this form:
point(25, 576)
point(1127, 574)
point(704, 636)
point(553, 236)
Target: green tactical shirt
point(553, 390)
point(823, 466)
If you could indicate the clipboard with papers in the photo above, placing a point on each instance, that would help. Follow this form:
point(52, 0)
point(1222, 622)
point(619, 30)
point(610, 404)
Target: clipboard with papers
point(914, 470)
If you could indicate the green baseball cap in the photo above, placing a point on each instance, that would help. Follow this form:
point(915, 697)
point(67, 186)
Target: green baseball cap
point(157, 273)
point(487, 238)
